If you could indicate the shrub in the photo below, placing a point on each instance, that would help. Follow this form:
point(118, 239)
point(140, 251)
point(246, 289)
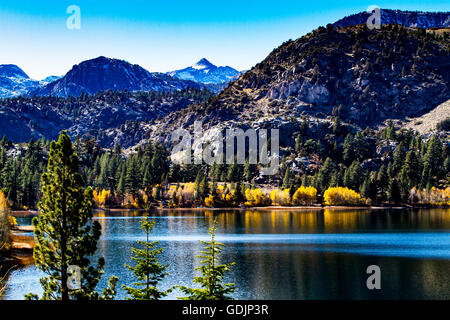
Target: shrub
point(256, 197)
point(209, 201)
point(337, 196)
point(280, 197)
point(434, 197)
point(304, 196)
point(101, 197)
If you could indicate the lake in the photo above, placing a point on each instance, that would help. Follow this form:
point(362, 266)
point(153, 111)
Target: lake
point(286, 254)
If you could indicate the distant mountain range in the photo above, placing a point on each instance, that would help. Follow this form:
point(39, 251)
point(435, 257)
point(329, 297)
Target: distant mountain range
point(205, 72)
point(104, 73)
point(363, 77)
point(413, 19)
point(15, 82)
point(101, 74)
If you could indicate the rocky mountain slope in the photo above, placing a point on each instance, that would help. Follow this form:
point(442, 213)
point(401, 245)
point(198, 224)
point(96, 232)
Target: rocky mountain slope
point(415, 19)
point(205, 72)
point(14, 81)
point(23, 117)
point(363, 76)
point(103, 73)
point(429, 121)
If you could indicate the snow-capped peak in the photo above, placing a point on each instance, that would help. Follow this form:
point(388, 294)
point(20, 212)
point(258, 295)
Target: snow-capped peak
point(205, 72)
point(12, 71)
point(203, 64)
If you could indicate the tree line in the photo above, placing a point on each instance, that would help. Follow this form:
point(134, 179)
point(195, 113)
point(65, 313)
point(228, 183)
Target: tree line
point(146, 176)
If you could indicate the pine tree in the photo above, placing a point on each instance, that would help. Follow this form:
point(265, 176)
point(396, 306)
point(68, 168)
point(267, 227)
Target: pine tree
point(287, 178)
point(121, 184)
point(250, 171)
point(212, 273)
point(133, 176)
point(233, 173)
point(365, 189)
point(203, 188)
point(64, 233)
point(411, 170)
point(433, 162)
point(147, 271)
point(394, 192)
point(348, 152)
point(323, 176)
point(399, 157)
point(382, 184)
point(239, 194)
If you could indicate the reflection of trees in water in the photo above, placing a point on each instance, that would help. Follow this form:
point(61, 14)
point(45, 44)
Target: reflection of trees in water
point(282, 272)
point(332, 220)
point(299, 271)
point(283, 221)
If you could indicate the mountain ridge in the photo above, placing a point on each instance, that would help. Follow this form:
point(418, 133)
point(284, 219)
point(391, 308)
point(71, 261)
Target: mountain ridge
point(14, 81)
point(416, 19)
point(102, 73)
point(363, 76)
point(205, 72)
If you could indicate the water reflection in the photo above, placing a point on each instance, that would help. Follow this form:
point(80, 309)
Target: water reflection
point(285, 254)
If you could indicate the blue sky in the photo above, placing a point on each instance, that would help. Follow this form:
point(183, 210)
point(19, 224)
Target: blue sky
point(164, 35)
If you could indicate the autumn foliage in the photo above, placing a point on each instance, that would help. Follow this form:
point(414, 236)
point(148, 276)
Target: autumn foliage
point(304, 196)
point(280, 197)
point(4, 223)
point(101, 198)
point(338, 196)
point(256, 197)
point(434, 197)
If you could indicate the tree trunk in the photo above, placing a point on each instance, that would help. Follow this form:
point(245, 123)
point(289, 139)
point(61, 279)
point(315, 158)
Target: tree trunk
point(64, 288)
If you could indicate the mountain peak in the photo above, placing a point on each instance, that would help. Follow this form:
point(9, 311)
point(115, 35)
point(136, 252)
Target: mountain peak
point(103, 73)
point(11, 70)
point(205, 72)
point(203, 64)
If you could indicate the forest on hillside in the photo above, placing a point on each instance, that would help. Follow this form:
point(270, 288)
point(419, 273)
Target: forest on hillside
point(383, 167)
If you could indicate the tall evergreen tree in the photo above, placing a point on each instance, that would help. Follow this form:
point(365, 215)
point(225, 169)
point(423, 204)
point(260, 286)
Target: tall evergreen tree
point(433, 162)
point(394, 192)
point(287, 178)
point(411, 170)
point(382, 184)
point(240, 198)
point(133, 176)
point(64, 231)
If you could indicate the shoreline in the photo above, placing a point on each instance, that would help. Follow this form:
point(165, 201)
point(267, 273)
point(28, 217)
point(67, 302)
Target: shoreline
point(27, 213)
point(21, 252)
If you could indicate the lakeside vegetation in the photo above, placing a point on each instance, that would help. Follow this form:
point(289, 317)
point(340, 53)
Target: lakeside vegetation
point(413, 170)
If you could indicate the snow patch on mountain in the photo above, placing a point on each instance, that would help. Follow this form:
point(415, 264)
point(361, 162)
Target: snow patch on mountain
point(205, 72)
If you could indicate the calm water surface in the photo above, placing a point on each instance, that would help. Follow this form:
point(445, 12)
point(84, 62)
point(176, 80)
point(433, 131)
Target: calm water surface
point(287, 254)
